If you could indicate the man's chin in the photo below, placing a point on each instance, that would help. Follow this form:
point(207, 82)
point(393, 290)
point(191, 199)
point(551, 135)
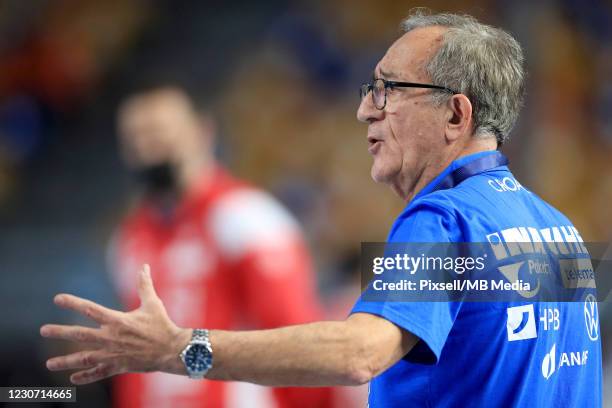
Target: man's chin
point(381, 175)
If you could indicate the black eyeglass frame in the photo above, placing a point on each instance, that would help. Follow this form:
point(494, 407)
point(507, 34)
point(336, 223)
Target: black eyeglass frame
point(368, 87)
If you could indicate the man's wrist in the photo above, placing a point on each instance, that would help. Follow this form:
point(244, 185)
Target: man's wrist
point(173, 363)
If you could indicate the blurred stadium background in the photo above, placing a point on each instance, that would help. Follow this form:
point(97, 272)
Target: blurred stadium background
point(282, 79)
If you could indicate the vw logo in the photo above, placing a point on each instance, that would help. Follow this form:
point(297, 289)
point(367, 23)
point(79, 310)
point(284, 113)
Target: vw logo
point(591, 317)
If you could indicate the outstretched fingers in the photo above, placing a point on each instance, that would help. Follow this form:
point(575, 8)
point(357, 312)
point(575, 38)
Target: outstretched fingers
point(97, 373)
point(146, 290)
point(81, 359)
point(77, 334)
point(110, 349)
point(87, 308)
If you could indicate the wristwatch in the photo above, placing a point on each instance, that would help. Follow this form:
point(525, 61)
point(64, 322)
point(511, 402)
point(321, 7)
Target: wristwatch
point(197, 355)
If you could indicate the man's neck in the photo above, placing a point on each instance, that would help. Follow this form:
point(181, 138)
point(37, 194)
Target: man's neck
point(434, 168)
point(194, 171)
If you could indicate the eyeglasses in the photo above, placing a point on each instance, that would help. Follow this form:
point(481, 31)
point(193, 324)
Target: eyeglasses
point(379, 87)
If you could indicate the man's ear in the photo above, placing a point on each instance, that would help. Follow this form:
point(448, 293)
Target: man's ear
point(459, 117)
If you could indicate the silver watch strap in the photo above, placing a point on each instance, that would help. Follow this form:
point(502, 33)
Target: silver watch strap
point(200, 335)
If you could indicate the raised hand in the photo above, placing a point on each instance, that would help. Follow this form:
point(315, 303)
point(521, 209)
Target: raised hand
point(142, 340)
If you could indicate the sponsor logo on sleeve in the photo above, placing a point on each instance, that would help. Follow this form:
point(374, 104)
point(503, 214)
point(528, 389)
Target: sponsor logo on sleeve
point(521, 323)
point(549, 317)
point(577, 273)
point(548, 362)
point(528, 252)
point(591, 317)
point(566, 359)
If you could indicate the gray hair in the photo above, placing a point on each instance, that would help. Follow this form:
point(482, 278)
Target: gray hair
point(482, 62)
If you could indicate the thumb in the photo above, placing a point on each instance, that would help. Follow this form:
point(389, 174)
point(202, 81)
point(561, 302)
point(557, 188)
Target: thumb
point(146, 290)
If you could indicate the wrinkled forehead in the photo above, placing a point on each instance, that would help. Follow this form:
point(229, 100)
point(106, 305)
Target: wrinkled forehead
point(407, 57)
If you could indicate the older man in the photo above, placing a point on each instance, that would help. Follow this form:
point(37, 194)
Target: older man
point(443, 99)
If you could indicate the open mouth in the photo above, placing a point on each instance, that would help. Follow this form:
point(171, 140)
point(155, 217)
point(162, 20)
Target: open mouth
point(374, 144)
point(372, 140)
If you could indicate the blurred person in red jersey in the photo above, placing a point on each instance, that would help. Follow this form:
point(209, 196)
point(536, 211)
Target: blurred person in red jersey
point(224, 254)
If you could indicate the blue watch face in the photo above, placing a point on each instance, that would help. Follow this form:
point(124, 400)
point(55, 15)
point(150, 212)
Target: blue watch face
point(198, 358)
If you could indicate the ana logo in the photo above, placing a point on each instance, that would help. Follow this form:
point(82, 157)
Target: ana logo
point(591, 317)
point(568, 359)
point(548, 363)
point(521, 323)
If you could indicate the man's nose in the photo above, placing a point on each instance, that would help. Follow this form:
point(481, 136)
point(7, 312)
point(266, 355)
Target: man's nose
point(367, 112)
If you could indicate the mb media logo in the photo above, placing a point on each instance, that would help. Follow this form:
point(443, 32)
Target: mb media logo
point(521, 323)
point(548, 363)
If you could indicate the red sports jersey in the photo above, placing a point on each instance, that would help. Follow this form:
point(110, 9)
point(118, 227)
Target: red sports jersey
point(227, 257)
